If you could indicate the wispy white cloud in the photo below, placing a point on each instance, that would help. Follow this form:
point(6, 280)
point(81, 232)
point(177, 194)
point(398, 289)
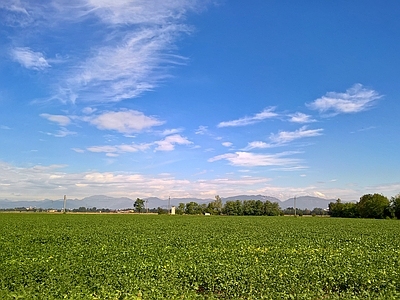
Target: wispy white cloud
point(248, 159)
point(62, 132)
point(118, 149)
point(354, 100)
point(13, 6)
point(168, 144)
point(78, 150)
point(267, 113)
point(299, 117)
point(202, 130)
point(59, 119)
point(135, 52)
point(14, 13)
point(142, 11)
point(88, 110)
point(29, 59)
point(258, 145)
point(364, 129)
point(171, 131)
point(284, 137)
point(127, 121)
point(136, 65)
point(138, 55)
point(227, 144)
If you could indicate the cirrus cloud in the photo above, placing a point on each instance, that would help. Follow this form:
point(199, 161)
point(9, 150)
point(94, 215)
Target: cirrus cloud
point(265, 114)
point(128, 121)
point(287, 136)
point(354, 100)
point(168, 144)
point(59, 119)
point(248, 159)
point(29, 59)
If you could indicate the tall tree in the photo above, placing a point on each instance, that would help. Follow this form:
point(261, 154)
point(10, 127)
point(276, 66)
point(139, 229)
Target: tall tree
point(336, 208)
point(373, 206)
point(180, 210)
point(193, 208)
point(139, 205)
point(248, 207)
point(217, 207)
point(233, 208)
point(395, 202)
point(271, 208)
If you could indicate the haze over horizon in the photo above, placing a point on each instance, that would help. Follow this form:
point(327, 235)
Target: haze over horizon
point(188, 98)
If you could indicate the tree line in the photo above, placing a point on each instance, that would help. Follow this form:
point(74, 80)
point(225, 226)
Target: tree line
point(374, 206)
point(232, 208)
point(216, 207)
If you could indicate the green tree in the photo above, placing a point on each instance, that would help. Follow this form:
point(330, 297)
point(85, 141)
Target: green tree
point(336, 208)
point(180, 210)
point(318, 211)
point(139, 205)
point(215, 207)
point(259, 208)
point(373, 206)
point(395, 204)
point(218, 205)
point(162, 211)
point(193, 208)
point(271, 208)
point(248, 207)
point(349, 210)
point(233, 208)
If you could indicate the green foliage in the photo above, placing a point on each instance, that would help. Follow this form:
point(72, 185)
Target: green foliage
point(139, 205)
point(162, 211)
point(193, 208)
point(215, 207)
point(120, 256)
point(343, 210)
point(271, 208)
point(395, 205)
point(251, 208)
point(180, 210)
point(373, 206)
point(233, 208)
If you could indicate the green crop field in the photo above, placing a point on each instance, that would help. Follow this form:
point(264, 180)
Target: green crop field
point(78, 256)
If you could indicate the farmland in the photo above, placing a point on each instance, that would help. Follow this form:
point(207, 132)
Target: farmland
point(78, 256)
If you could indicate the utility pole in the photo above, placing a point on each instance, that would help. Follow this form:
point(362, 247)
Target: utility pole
point(65, 204)
point(169, 205)
point(294, 205)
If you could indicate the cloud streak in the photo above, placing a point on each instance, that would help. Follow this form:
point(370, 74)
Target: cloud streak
point(29, 59)
point(128, 121)
point(136, 65)
point(299, 117)
point(284, 137)
point(248, 159)
point(355, 99)
point(167, 144)
point(59, 119)
point(267, 113)
point(133, 50)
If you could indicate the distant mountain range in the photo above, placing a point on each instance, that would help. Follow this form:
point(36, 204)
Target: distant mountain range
point(101, 201)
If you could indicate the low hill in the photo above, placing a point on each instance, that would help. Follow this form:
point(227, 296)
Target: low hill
point(102, 201)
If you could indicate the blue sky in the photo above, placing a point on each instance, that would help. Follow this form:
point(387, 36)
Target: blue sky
point(187, 98)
